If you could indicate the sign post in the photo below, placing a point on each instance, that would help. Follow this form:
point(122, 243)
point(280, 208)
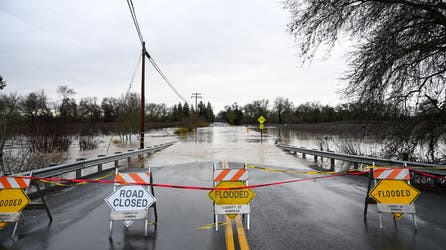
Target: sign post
point(261, 120)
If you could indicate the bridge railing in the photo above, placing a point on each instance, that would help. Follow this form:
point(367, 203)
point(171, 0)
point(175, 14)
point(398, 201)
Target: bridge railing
point(82, 164)
point(369, 160)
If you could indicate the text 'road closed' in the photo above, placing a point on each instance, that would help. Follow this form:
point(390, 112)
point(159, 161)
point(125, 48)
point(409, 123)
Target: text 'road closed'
point(130, 198)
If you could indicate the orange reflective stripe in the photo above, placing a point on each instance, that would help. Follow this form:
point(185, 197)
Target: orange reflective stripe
point(5, 182)
point(394, 173)
point(120, 180)
point(222, 175)
point(238, 175)
point(136, 177)
point(21, 182)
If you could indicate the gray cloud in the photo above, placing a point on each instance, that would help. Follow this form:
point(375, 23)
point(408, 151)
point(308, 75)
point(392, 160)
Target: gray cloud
point(230, 51)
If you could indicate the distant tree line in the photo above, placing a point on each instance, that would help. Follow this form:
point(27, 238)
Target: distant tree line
point(284, 111)
point(36, 107)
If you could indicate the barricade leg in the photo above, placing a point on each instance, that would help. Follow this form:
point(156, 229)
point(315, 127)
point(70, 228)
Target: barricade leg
point(13, 231)
point(216, 222)
point(380, 220)
point(110, 229)
point(415, 221)
point(154, 204)
point(145, 226)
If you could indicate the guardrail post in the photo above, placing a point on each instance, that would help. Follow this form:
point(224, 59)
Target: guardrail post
point(100, 165)
point(129, 159)
point(332, 164)
point(315, 158)
point(355, 165)
point(117, 161)
point(304, 156)
point(79, 171)
point(47, 185)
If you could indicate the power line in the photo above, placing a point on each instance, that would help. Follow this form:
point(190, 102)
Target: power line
point(157, 68)
point(134, 74)
point(152, 61)
point(135, 20)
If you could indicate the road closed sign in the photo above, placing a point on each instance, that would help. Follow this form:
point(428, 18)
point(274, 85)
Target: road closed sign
point(129, 203)
point(130, 198)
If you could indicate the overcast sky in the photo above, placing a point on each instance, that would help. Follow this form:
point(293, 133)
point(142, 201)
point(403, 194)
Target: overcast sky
point(230, 51)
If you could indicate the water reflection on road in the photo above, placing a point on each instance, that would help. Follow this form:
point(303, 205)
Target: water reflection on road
point(210, 144)
point(234, 143)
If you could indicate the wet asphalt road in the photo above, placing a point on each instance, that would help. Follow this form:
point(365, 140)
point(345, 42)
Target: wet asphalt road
point(321, 214)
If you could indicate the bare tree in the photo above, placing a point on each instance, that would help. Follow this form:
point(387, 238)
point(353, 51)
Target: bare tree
point(282, 108)
point(399, 57)
point(35, 105)
point(68, 107)
point(2, 83)
point(8, 115)
point(255, 109)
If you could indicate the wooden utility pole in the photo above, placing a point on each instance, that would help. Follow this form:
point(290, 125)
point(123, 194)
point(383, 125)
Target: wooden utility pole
point(141, 144)
point(196, 96)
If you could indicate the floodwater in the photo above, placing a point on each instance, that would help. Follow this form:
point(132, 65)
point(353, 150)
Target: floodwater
point(209, 144)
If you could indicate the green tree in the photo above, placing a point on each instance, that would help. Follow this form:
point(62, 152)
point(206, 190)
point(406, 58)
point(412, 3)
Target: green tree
point(253, 110)
point(231, 114)
point(209, 113)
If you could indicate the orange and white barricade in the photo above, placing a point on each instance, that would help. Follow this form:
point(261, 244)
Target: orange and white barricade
point(231, 173)
point(131, 199)
point(7, 182)
point(14, 199)
point(391, 192)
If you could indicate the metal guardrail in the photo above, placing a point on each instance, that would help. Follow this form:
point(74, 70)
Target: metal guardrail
point(369, 160)
point(98, 161)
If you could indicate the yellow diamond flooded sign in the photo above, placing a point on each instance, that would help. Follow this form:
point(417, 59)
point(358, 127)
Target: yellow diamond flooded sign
point(12, 202)
point(231, 196)
point(394, 192)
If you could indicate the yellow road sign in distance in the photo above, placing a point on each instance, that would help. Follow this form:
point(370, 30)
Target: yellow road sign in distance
point(231, 197)
point(261, 126)
point(261, 119)
point(394, 192)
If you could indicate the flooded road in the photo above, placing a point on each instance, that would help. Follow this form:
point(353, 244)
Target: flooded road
point(235, 144)
point(208, 144)
point(306, 214)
